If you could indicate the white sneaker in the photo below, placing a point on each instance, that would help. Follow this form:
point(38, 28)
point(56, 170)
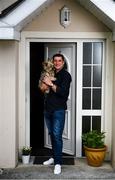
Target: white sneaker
point(57, 169)
point(49, 162)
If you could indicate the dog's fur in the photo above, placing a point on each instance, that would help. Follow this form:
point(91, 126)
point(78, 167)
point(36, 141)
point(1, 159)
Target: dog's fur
point(49, 71)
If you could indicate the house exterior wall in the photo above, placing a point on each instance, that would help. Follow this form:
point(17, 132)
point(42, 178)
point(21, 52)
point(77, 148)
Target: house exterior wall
point(81, 19)
point(8, 103)
point(113, 122)
point(10, 68)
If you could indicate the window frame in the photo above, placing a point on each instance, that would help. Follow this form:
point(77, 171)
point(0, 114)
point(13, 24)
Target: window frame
point(89, 112)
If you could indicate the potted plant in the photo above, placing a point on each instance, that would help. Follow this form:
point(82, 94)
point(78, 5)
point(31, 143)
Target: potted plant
point(26, 151)
point(95, 149)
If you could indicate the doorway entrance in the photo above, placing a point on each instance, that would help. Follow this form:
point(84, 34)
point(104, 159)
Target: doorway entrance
point(36, 98)
point(39, 140)
point(86, 97)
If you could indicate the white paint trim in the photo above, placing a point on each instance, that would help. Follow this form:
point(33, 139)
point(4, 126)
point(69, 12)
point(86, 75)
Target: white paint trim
point(22, 91)
point(92, 112)
point(103, 86)
point(27, 94)
point(9, 33)
point(113, 39)
point(78, 99)
point(60, 36)
point(108, 94)
point(66, 37)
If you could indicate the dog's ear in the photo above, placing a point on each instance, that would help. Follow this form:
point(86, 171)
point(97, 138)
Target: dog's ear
point(51, 60)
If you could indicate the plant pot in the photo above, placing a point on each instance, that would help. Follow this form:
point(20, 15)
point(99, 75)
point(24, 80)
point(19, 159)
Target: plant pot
point(25, 159)
point(95, 157)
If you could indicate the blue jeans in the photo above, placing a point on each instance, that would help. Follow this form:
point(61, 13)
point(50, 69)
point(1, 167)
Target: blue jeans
point(55, 123)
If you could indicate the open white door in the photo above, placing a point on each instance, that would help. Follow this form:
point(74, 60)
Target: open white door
point(68, 50)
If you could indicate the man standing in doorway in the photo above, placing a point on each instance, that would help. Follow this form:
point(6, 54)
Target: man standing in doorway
point(55, 106)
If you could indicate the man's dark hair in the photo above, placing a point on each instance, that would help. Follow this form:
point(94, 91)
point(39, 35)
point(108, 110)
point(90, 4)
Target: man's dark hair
point(58, 55)
point(62, 56)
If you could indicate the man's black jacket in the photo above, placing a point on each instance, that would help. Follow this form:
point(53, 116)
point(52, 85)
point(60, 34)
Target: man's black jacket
point(58, 100)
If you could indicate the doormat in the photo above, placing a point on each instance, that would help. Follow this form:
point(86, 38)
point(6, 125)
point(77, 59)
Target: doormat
point(67, 160)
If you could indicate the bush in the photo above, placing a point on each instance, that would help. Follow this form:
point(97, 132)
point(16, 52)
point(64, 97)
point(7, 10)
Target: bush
point(94, 139)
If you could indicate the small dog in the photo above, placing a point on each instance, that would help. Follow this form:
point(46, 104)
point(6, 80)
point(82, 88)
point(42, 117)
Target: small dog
point(49, 71)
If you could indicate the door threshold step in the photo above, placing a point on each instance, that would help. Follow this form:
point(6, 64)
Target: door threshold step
point(67, 160)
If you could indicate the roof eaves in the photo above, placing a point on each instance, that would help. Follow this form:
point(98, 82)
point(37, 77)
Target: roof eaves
point(10, 8)
point(22, 11)
point(10, 25)
point(9, 33)
point(107, 7)
point(91, 6)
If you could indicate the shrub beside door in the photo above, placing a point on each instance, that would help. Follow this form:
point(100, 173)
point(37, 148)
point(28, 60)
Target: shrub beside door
point(95, 149)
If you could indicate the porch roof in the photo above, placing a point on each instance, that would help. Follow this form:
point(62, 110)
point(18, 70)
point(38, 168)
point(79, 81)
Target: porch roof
point(12, 23)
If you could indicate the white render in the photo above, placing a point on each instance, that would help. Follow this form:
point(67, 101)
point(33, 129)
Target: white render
point(8, 93)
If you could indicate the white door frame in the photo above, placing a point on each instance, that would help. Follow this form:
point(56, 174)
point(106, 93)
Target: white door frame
point(24, 122)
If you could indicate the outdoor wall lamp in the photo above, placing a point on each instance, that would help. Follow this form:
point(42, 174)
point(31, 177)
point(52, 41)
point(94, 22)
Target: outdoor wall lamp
point(65, 16)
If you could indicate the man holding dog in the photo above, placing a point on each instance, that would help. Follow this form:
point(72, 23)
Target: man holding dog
point(55, 106)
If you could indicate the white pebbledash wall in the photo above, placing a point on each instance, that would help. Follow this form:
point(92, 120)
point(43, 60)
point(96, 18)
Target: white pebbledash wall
point(8, 103)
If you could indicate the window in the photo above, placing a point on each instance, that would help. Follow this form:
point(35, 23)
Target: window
point(92, 86)
point(92, 75)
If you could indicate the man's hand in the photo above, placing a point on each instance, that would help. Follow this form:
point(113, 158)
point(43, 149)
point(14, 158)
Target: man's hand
point(47, 81)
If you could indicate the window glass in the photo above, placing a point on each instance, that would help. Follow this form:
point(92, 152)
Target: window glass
point(97, 53)
point(96, 123)
point(87, 53)
point(87, 76)
point(86, 123)
point(86, 99)
point(96, 98)
point(97, 77)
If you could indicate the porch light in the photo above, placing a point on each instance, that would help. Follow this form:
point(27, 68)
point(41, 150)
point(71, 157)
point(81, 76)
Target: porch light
point(65, 16)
